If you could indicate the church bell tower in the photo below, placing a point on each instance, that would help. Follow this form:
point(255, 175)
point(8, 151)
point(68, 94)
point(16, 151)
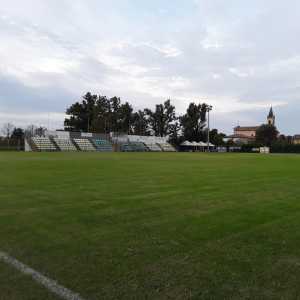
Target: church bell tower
point(271, 117)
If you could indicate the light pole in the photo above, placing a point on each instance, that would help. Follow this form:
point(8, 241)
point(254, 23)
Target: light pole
point(209, 108)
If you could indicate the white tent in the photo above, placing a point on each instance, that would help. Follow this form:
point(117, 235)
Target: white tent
point(187, 144)
point(201, 144)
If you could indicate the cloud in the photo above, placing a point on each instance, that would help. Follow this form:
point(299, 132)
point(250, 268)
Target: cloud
point(236, 55)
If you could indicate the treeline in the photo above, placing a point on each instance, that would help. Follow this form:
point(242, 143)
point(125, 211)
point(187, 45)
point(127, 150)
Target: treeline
point(276, 147)
point(96, 113)
point(12, 137)
point(285, 147)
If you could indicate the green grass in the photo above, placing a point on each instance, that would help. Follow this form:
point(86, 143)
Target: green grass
point(152, 226)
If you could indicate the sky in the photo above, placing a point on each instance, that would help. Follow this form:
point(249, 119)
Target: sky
point(239, 56)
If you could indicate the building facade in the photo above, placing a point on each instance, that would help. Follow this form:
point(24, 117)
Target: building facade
point(296, 139)
point(247, 134)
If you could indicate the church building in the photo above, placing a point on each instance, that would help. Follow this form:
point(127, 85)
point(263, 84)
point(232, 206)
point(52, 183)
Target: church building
point(247, 134)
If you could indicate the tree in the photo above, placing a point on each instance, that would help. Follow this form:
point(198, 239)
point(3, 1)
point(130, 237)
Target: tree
point(162, 118)
point(125, 114)
point(18, 138)
point(114, 110)
point(96, 113)
point(7, 130)
point(194, 121)
point(140, 124)
point(81, 114)
point(18, 133)
point(266, 134)
point(99, 114)
point(217, 138)
point(175, 138)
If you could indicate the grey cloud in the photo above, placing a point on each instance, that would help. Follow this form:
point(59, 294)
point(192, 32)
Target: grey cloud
point(18, 98)
point(245, 52)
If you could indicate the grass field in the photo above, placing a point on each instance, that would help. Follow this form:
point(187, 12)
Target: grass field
point(152, 226)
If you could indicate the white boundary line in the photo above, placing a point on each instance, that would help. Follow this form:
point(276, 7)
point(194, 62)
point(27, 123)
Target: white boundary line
point(48, 283)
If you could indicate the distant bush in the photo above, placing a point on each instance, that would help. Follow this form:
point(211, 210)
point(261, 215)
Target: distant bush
point(285, 148)
point(11, 144)
point(250, 148)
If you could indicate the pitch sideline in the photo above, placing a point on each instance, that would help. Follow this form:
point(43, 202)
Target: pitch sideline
point(49, 284)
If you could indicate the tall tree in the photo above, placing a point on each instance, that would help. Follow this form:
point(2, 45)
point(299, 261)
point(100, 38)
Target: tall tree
point(99, 114)
point(81, 114)
point(102, 115)
point(114, 118)
point(175, 138)
point(125, 114)
point(217, 138)
point(162, 118)
point(193, 122)
point(18, 133)
point(266, 134)
point(140, 124)
point(18, 138)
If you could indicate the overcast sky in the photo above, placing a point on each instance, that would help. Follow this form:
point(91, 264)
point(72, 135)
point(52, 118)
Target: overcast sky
point(239, 56)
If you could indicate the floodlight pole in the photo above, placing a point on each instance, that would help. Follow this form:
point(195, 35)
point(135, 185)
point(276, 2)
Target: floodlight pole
point(209, 108)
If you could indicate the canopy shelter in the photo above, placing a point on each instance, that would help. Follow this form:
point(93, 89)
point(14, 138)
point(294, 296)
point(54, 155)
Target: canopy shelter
point(186, 144)
point(193, 146)
point(202, 144)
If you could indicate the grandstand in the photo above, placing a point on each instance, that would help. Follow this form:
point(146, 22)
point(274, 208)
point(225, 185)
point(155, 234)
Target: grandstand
point(84, 144)
point(43, 144)
point(65, 144)
point(153, 143)
point(80, 141)
point(133, 147)
point(102, 145)
point(166, 147)
point(153, 147)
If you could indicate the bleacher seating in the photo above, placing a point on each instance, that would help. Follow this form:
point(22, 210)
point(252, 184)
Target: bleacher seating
point(133, 147)
point(84, 145)
point(103, 145)
point(153, 147)
point(65, 144)
point(153, 143)
point(139, 147)
point(166, 147)
point(80, 141)
point(44, 144)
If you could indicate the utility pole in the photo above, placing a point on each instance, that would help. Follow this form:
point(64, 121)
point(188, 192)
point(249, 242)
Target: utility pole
point(209, 108)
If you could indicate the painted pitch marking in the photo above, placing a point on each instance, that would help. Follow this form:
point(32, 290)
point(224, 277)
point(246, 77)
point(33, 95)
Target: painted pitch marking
point(48, 283)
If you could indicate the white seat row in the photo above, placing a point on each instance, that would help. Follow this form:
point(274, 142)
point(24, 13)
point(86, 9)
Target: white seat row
point(147, 139)
point(166, 147)
point(84, 145)
point(153, 147)
point(43, 144)
point(65, 144)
